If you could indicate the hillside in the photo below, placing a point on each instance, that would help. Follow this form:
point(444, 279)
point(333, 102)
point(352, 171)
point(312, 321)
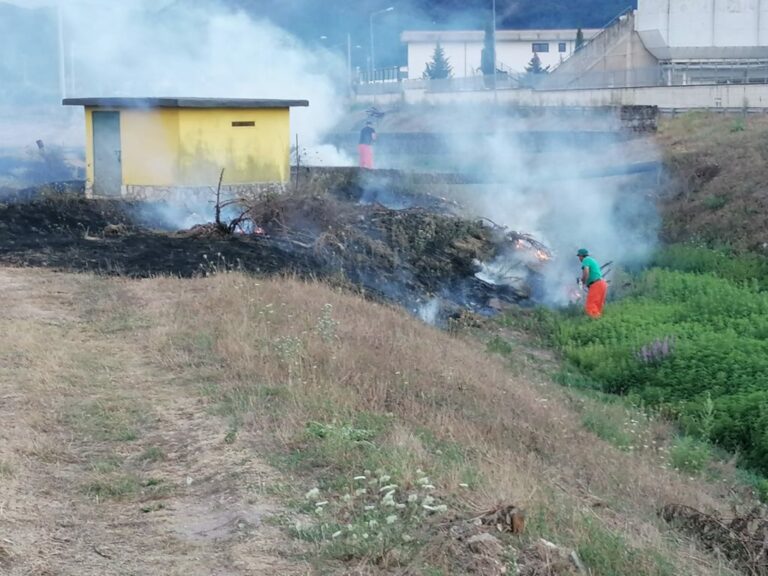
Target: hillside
point(237, 425)
point(716, 193)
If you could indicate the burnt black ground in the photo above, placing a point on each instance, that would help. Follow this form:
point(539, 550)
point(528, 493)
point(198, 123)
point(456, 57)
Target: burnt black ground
point(68, 234)
point(408, 253)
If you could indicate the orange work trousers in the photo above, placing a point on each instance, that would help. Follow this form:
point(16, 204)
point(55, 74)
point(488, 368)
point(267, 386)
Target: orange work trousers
point(366, 155)
point(596, 298)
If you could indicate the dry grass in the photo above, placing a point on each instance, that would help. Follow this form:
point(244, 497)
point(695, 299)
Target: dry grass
point(286, 354)
point(138, 417)
point(718, 166)
point(96, 447)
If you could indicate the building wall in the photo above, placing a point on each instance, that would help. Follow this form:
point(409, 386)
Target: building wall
point(209, 142)
point(149, 142)
point(189, 147)
point(150, 146)
point(682, 29)
point(614, 58)
point(464, 56)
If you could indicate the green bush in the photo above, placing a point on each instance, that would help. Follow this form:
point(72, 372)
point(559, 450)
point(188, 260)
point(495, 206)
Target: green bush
point(690, 455)
point(690, 343)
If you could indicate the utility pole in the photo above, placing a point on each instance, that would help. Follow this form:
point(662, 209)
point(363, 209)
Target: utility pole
point(372, 69)
point(62, 55)
point(349, 63)
point(495, 76)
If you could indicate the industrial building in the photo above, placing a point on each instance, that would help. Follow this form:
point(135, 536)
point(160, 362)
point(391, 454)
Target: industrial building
point(674, 43)
point(663, 43)
point(514, 49)
point(142, 147)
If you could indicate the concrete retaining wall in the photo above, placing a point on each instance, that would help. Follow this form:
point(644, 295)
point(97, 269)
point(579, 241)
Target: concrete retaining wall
point(673, 97)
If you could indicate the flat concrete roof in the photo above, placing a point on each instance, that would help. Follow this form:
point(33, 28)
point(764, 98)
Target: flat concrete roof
point(182, 103)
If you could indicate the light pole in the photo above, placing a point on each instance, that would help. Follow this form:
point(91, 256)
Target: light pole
point(347, 45)
point(373, 57)
point(495, 94)
point(62, 57)
point(494, 37)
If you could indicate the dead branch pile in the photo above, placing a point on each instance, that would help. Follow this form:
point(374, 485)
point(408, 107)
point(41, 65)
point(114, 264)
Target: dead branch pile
point(505, 518)
point(426, 250)
point(742, 540)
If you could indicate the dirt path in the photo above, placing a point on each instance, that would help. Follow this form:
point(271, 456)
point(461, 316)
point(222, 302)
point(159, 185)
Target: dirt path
point(109, 465)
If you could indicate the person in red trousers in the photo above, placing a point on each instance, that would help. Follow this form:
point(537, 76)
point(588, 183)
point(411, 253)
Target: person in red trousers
point(592, 278)
point(365, 146)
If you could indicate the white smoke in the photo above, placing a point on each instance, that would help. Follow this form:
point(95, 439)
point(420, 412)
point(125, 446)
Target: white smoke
point(543, 178)
point(428, 311)
point(145, 48)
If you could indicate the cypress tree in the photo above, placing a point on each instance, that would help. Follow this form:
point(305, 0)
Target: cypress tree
point(439, 68)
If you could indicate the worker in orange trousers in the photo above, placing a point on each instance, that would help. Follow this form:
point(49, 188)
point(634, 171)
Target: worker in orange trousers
point(597, 287)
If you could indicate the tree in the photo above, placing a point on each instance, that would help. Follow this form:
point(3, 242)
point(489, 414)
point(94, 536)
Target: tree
point(579, 39)
point(439, 68)
point(535, 67)
point(488, 54)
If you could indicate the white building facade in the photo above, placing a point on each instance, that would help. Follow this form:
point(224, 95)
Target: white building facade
point(514, 49)
point(703, 29)
point(706, 41)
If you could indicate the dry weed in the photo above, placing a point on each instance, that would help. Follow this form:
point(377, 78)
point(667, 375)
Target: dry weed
point(447, 406)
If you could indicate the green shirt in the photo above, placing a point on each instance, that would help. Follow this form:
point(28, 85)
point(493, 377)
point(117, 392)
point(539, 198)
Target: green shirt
point(595, 273)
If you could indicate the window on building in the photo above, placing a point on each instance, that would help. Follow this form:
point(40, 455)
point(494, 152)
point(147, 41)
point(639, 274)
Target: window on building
point(540, 46)
point(561, 47)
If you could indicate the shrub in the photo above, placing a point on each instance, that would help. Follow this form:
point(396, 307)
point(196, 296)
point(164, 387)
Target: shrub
point(692, 344)
point(690, 455)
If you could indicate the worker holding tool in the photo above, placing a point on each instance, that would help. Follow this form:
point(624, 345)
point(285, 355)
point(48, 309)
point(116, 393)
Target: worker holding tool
point(365, 147)
point(592, 278)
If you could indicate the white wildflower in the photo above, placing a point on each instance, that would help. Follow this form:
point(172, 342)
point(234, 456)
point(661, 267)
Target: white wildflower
point(384, 479)
point(391, 519)
point(313, 494)
point(365, 536)
point(399, 506)
point(372, 524)
point(359, 478)
point(423, 480)
point(413, 497)
point(407, 538)
point(428, 487)
point(442, 508)
point(428, 500)
point(360, 491)
point(369, 508)
point(346, 497)
point(321, 504)
point(388, 487)
point(336, 534)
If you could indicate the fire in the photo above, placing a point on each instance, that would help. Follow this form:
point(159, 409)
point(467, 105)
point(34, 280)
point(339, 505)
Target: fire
point(543, 256)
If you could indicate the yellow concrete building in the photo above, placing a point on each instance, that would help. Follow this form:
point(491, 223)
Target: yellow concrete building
point(140, 147)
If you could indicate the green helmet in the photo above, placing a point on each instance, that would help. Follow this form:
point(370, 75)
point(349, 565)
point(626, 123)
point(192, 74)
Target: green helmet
point(582, 252)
